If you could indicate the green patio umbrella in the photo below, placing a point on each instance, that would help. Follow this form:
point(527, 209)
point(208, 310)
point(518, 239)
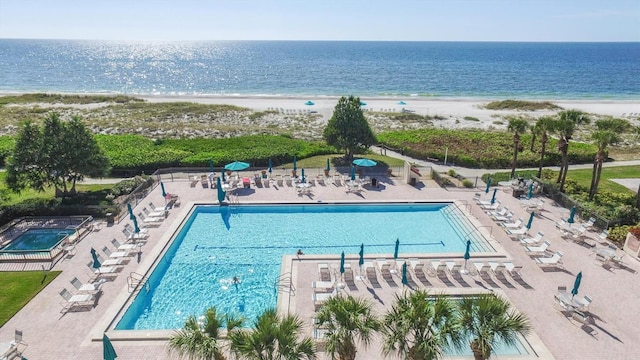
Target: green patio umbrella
point(405, 281)
point(361, 253)
point(302, 179)
point(576, 284)
point(223, 179)
point(486, 191)
point(467, 254)
point(493, 198)
point(108, 352)
point(572, 214)
point(342, 264)
point(295, 167)
point(328, 165)
point(395, 252)
point(210, 165)
point(136, 229)
point(130, 209)
point(96, 261)
point(221, 193)
point(530, 219)
point(270, 167)
point(530, 193)
point(164, 193)
point(353, 173)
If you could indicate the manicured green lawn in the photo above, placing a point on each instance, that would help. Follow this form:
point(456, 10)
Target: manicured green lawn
point(18, 288)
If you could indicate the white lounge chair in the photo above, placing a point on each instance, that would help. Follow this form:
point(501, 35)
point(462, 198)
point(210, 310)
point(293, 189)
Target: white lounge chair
point(513, 270)
point(415, 265)
point(324, 274)
point(453, 267)
point(502, 212)
point(439, 267)
point(117, 254)
point(320, 298)
point(555, 260)
point(76, 301)
point(507, 217)
point(156, 208)
point(533, 241)
point(521, 231)
point(150, 220)
point(113, 261)
point(538, 249)
point(513, 225)
point(322, 285)
point(130, 235)
point(152, 214)
point(86, 288)
point(119, 246)
point(583, 302)
point(490, 206)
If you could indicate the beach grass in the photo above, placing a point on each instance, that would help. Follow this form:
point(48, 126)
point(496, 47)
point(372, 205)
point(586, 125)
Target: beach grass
point(522, 105)
point(66, 99)
point(19, 287)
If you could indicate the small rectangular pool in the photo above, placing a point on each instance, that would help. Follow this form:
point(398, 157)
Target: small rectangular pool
point(216, 244)
point(38, 240)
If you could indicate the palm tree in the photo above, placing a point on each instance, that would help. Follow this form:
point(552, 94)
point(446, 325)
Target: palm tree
point(565, 126)
point(347, 320)
point(602, 139)
point(419, 326)
point(518, 126)
point(543, 125)
point(488, 320)
point(272, 337)
point(202, 340)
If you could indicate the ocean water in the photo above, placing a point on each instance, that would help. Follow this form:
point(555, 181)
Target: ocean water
point(324, 68)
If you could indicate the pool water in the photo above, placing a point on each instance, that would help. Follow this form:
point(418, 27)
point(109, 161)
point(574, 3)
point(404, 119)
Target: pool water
point(217, 244)
point(38, 240)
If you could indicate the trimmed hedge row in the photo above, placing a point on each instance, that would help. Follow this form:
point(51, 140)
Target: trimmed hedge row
point(480, 149)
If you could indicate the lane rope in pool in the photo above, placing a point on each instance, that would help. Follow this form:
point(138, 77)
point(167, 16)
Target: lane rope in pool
point(198, 247)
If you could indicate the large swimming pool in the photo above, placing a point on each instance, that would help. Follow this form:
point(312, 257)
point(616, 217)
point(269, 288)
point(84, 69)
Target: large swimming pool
point(216, 244)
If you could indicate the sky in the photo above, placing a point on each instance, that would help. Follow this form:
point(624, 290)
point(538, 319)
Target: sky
point(390, 20)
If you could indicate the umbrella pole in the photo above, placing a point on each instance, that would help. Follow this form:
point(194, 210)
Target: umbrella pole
point(464, 268)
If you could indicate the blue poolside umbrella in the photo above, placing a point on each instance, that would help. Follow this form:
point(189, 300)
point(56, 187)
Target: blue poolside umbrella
point(493, 198)
point(342, 264)
point(572, 214)
point(131, 216)
point(530, 220)
point(364, 162)
point(309, 103)
point(96, 261)
point(361, 253)
point(395, 252)
point(221, 193)
point(164, 193)
point(530, 193)
point(328, 165)
point(486, 191)
point(236, 166)
point(302, 179)
point(108, 352)
point(270, 167)
point(353, 173)
point(295, 166)
point(576, 284)
point(136, 229)
point(402, 102)
point(210, 165)
point(405, 281)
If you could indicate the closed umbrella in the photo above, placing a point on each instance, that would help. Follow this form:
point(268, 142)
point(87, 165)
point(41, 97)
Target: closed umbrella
point(576, 284)
point(364, 162)
point(405, 281)
point(493, 198)
point(353, 173)
point(302, 179)
point(210, 165)
point(270, 167)
point(361, 253)
point(395, 252)
point(342, 264)
point(108, 352)
point(486, 191)
point(96, 261)
point(130, 209)
point(328, 165)
point(221, 193)
point(530, 220)
point(223, 178)
point(164, 193)
point(295, 166)
point(572, 214)
point(136, 229)
point(530, 193)
point(467, 255)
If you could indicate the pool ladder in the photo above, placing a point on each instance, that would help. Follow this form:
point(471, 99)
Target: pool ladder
point(135, 280)
point(284, 283)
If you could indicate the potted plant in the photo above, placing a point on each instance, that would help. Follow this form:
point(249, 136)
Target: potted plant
point(632, 242)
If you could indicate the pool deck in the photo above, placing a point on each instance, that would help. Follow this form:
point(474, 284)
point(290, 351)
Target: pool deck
point(51, 335)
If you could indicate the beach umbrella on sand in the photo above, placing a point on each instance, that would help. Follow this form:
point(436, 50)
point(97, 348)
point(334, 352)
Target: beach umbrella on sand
point(164, 193)
point(353, 173)
point(136, 229)
point(302, 179)
point(362, 103)
point(361, 253)
point(108, 352)
point(405, 281)
point(395, 252)
point(328, 165)
point(493, 198)
point(270, 167)
point(295, 166)
point(221, 193)
point(530, 193)
point(576, 284)
point(486, 191)
point(402, 102)
point(572, 214)
point(309, 103)
point(130, 209)
point(96, 261)
point(530, 220)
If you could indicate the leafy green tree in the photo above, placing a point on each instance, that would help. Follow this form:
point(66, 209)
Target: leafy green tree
point(490, 320)
point(517, 126)
point(348, 129)
point(565, 125)
point(420, 327)
point(347, 320)
point(272, 338)
point(602, 139)
point(203, 340)
point(543, 126)
point(55, 155)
